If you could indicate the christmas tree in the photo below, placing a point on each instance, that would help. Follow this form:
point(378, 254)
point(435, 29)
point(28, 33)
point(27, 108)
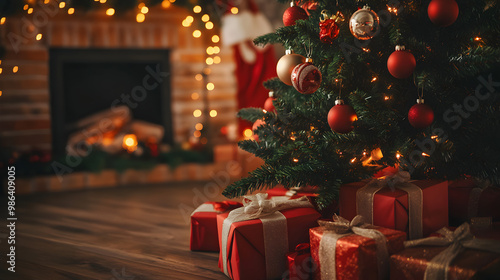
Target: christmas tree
point(454, 133)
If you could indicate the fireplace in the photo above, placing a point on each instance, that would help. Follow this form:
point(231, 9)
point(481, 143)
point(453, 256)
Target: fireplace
point(87, 81)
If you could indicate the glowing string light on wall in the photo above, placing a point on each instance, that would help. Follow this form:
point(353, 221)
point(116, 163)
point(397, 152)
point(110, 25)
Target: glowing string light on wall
point(140, 17)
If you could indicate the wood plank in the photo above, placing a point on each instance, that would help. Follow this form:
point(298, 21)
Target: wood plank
point(109, 233)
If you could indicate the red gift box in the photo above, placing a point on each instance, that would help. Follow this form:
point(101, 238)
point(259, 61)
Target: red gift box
point(468, 262)
point(355, 256)
point(309, 193)
point(256, 248)
point(300, 264)
point(467, 199)
point(204, 225)
point(391, 206)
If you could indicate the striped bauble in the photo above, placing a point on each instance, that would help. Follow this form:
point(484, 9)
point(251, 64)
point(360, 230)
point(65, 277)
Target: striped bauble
point(306, 77)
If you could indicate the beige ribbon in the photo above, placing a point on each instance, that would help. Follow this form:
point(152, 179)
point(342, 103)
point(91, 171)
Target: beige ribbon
point(341, 227)
point(456, 241)
point(205, 207)
point(401, 180)
point(274, 228)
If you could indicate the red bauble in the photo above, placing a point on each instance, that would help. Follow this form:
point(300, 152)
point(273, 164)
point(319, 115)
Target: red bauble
point(293, 14)
point(341, 117)
point(328, 31)
point(420, 115)
point(401, 63)
point(255, 125)
point(443, 12)
point(268, 105)
point(306, 78)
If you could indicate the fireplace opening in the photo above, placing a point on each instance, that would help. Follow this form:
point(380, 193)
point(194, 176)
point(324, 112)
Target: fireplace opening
point(87, 82)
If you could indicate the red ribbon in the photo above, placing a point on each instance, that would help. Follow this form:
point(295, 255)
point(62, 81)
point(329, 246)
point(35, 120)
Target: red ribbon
point(225, 206)
point(303, 248)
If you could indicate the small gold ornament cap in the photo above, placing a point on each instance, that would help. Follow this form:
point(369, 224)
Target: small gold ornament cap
point(420, 101)
point(271, 93)
point(339, 102)
point(400, 48)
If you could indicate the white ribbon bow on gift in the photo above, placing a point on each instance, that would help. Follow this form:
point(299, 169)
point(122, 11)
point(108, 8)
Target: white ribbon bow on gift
point(256, 206)
point(274, 228)
point(456, 241)
point(341, 227)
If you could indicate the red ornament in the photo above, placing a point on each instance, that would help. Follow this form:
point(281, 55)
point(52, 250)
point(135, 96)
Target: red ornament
point(293, 14)
point(255, 125)
point(306, 78)
point(328, 31)
point(341, 117)
point(401, 63)
point(443, 12)
point(328, 28)
point(309, 6)
point(420, 115)
point(268, 105)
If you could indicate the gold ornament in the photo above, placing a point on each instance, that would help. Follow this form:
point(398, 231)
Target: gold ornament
point(286, 64)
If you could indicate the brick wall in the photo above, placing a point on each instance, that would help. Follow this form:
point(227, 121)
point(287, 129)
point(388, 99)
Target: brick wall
point(25, 102)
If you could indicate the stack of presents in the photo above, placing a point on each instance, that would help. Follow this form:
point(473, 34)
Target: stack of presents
point(384, 228)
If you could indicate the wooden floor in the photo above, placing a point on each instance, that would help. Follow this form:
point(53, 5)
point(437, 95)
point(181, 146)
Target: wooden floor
point(133, 233)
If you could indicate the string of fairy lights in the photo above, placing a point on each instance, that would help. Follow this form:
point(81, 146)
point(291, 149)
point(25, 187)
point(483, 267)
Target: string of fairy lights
point(212, 57)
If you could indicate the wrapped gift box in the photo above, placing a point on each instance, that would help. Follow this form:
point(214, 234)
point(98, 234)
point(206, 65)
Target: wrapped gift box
point(391, 206)
point(256, 248)
point(354, 256)
point(468, 199)
point(467, 263)
point(300, 264)
point(204, 225)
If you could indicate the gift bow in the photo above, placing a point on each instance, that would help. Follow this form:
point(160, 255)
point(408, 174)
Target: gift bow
point(256, 206)
point(341, 227)
point(456, 241)
point(400, 177)
point(225, 206)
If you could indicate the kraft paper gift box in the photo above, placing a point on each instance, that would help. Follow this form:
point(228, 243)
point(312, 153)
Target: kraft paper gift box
point(255, 239)
point(418, 208)
point(204, 225)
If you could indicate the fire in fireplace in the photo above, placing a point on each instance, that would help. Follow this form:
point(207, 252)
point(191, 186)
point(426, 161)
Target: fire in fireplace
point(89, 89)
